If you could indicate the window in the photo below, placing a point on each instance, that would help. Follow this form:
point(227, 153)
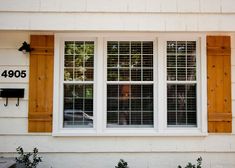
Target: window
point(129, 86)
point(181, 83)
point(78, 84)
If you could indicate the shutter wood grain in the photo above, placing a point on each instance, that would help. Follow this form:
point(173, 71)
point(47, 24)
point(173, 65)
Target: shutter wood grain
point(219, 84)
point(41, 83)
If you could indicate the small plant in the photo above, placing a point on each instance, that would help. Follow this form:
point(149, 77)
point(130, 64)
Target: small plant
point(28, 160)
point(122, 164)
point(190, 165)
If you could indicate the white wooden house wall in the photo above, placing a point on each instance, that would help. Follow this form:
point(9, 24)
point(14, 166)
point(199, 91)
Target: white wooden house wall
point(19, 19)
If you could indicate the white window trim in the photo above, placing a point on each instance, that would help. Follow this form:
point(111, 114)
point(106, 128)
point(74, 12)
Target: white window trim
point(163, 84)
point(127, 130)
point(160, 120)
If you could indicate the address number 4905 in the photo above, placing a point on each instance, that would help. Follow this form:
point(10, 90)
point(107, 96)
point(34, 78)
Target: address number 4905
point(14, 73)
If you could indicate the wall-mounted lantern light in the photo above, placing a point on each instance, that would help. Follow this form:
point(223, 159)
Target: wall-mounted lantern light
point(25, 47)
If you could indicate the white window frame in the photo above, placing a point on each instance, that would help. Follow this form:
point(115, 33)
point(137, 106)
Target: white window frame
point(154, 82)
point(160, 104)
point(199, 80)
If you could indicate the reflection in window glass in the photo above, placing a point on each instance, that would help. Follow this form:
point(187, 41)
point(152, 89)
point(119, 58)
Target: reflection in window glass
point(78, 60)
point(181, 60)
point(129, 105)
point(181, 95)
point(78, 96)
point(129, 61)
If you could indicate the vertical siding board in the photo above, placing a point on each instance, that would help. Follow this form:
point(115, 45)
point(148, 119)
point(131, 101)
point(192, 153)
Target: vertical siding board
point(219, 84)
point(41, 83)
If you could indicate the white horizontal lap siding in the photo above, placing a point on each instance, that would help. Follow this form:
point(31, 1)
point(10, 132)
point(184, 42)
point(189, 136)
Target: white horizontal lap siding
point(13, 118)
point(111, 15)
point(164, 6)
point(117, 21)
point(49, 144)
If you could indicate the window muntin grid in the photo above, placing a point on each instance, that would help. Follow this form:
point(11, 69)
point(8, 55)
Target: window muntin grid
point(78, 61)
point(78, 84)
point(181, 105)
point(130, 61)
point(181, 83)
point(181, 60)
point(130, 104)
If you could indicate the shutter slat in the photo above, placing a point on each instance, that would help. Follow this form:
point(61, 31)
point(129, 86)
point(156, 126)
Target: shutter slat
point(219, 84)
point(41, 83)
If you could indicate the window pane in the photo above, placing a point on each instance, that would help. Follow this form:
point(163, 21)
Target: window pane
point(124, 74)
point(78, 105)
point(112, 47)
point(147, 47)
point(171, 61)
point(171, 74)
point(68, 61)
point(126, 61)
point(135, 104)
point(191, 74)
point(136, 47)
point(191, 47)
point(112, 61)
point(89, 60)
point(112, 91)
point(181, 104)
point(132, 102)
point(135, 118)
point(79, 59)
point(147, 118)
point(79, 74)
point(112, 74)
point(136, 60)
point(112, 118)
point(147, 60)
point(79, 47)
point(68, 74)
point(78, 97)
point(112, 104)
point(181, 60)
point(136, 74)
point(181, 47)
point(89, 47)
point(124, 47)
point(69, 47)
point(88, 75)
point(191, 60)
point(130, 61)
point(147, 74)
point(171, 47)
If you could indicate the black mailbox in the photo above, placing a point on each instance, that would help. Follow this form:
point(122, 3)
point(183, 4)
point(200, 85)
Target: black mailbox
point(11, 93)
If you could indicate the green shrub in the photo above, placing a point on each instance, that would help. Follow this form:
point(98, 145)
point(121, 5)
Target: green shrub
point(190, 165)
point(28, 160)
point(122, 164)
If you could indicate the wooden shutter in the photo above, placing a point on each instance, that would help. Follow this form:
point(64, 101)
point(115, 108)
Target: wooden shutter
point(219, 84)
point(41, 83)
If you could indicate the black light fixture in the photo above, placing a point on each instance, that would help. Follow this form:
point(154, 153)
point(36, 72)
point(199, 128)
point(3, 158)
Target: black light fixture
point(25, 47)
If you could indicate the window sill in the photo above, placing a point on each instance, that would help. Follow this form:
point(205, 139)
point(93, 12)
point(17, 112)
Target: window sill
point(129, 133)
